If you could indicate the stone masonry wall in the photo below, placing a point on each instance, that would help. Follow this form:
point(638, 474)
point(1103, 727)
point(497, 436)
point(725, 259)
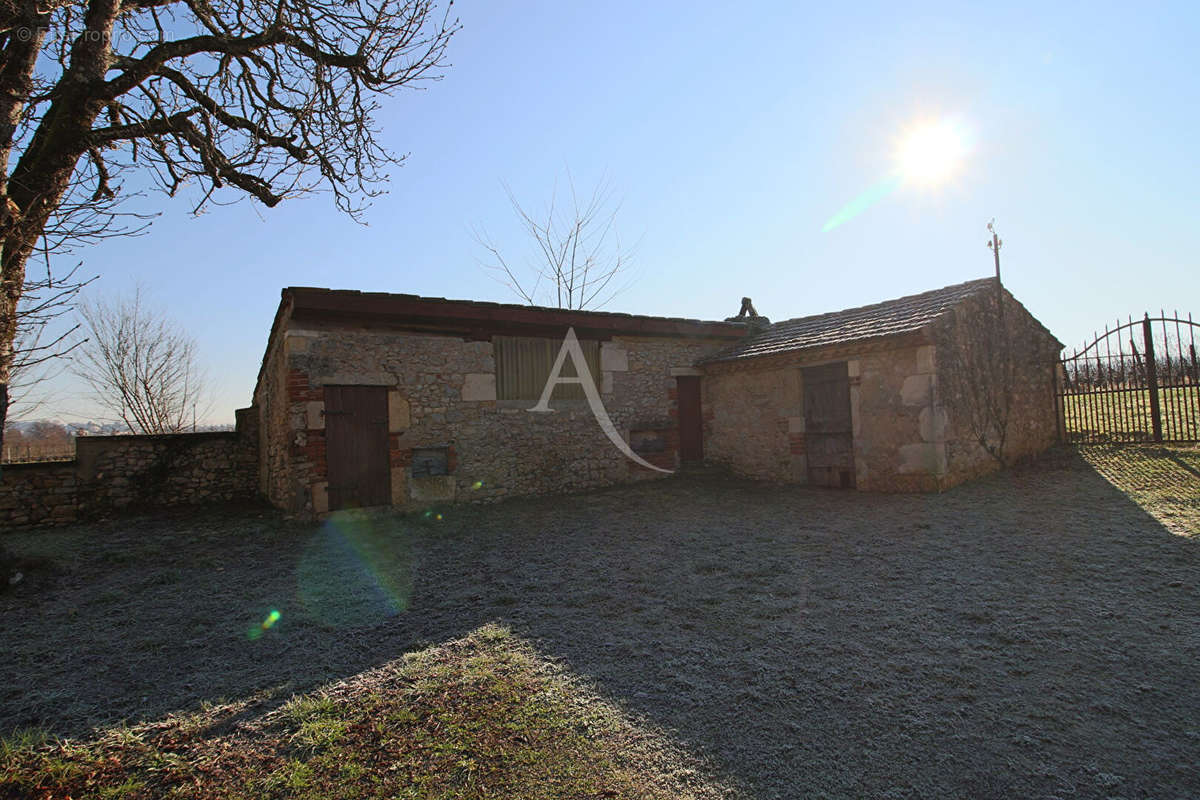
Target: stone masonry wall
point(111, 474)
point(271, 401)
point(758, 422)
point(38, 493)
point(1033, 419)
point(442, 393)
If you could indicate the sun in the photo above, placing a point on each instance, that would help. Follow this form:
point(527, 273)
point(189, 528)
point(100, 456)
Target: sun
point(932, 152)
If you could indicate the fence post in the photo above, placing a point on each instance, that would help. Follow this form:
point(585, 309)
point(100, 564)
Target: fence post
point(1152, 378)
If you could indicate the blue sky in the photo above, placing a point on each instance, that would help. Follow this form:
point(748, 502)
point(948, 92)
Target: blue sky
point(731, 137)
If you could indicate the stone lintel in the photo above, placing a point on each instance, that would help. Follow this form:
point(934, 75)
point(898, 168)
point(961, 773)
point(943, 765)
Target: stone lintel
point(358, 379)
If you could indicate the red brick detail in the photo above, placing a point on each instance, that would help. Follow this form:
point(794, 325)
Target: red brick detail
point(673, 393)
point(796, 443)
point(451, 459)
point(298, 387)
point(397, 456)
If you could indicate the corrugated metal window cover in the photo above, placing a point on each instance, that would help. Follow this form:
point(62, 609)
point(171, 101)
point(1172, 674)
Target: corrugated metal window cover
point(523, 364)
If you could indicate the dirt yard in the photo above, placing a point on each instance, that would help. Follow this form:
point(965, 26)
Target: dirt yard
point(1036, 634)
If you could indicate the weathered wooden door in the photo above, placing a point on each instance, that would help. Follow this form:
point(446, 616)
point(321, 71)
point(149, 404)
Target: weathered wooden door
point(356, 446)
point(828, 431)
point(691, 425)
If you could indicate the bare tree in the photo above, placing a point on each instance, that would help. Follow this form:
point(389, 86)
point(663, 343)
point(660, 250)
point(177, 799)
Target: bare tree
point(140, 366)
point(266, 98)
point(42, 339)
point(577, 255)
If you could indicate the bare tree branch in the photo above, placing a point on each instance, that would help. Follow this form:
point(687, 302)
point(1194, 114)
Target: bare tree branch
point(575, 251)
point(269, 98)
point(140, 366)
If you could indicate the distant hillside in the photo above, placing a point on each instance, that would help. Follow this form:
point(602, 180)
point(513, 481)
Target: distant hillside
point(91, 427)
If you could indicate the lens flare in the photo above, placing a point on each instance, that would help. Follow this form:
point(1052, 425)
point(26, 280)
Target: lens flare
point(861, 203)
point(931, 152)
point(265, 625)
point(356, 571)
point(928, 155)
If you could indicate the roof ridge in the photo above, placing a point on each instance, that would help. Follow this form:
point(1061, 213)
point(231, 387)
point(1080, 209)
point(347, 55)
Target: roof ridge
point(979, 281)
point(901, 315)
point(494, 304)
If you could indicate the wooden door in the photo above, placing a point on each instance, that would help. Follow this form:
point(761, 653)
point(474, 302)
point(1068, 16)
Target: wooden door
point(828, 430)
point(691, 425)
point(356, 446)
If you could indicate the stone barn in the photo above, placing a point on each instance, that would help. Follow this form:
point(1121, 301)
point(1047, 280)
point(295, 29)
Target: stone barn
point(887, 397)
point(386, 399)
point(377, 399)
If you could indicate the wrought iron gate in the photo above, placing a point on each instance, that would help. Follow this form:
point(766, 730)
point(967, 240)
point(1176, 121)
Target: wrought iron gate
point(1139, 382)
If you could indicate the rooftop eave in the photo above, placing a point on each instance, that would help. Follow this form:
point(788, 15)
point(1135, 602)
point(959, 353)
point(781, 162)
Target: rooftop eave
point(481, 320)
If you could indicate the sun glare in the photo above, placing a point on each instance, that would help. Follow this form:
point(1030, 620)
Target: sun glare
point(931, 153)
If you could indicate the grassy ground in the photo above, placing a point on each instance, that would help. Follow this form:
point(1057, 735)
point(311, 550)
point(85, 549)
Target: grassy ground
point(1030, 634)
point(1162, 479)
point(1124, 416)
point(481, 717)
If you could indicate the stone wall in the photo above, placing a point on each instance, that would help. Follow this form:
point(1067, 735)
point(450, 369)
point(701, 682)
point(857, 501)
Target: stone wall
point(111, 474)
point(442, 393)
point(967, 375)
point(38, 493)
point(908, 401)
point(758, 423)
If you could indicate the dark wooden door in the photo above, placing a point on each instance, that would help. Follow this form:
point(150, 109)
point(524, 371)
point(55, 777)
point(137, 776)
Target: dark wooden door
point(691, 425)
point(356, 446)
point(828, 430)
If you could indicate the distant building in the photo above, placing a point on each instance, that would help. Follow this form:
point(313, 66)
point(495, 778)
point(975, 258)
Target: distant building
point(380, 399)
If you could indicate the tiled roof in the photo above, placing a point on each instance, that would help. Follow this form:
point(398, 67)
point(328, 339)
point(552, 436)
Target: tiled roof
point(890, 318)
point(311, 298)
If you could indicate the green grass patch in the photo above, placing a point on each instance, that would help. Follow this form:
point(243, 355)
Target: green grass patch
point(1123, 415)
point(481, 717)
point(1163, 479)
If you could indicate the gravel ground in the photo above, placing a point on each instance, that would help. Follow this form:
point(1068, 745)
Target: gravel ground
point(1035, 634)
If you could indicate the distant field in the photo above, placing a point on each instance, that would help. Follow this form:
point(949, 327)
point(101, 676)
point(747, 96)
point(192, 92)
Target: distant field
point(1124, 416)
point(24, 453)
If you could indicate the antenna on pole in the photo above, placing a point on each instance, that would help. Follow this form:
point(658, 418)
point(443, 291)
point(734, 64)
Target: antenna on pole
point(994, 245)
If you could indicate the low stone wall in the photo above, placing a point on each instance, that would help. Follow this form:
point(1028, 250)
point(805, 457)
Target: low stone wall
point(38, 493)
point(111, 474)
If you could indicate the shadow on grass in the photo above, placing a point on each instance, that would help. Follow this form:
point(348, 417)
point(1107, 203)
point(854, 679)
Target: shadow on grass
point(1032, 633)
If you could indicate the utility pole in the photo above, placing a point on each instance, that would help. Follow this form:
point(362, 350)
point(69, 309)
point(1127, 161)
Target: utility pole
point(994, 246)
